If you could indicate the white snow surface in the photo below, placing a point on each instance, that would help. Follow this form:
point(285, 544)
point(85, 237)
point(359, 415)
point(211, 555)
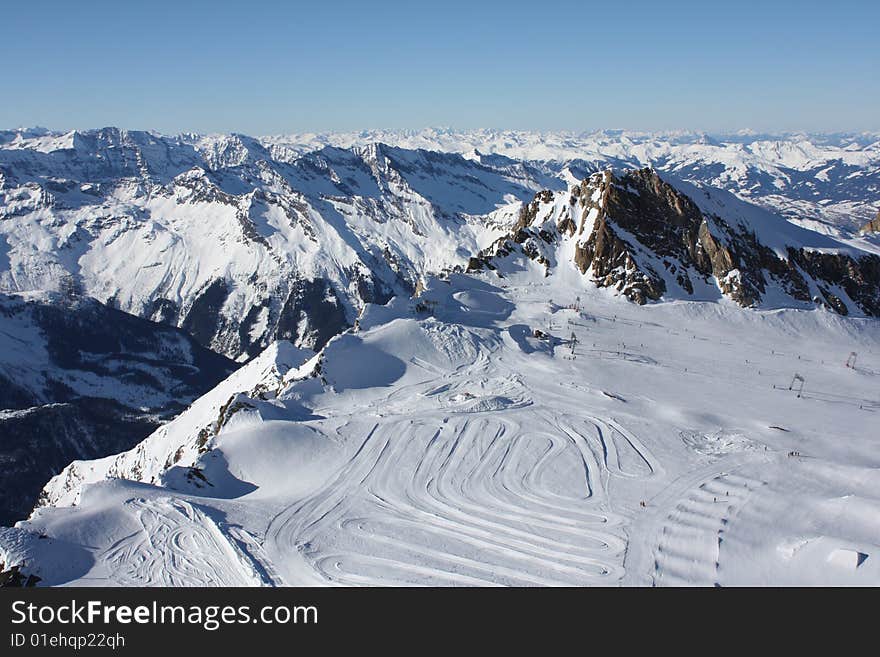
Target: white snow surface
point(441, 443)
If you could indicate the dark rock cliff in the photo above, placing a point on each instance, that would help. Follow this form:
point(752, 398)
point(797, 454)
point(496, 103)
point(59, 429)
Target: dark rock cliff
point(638, 234)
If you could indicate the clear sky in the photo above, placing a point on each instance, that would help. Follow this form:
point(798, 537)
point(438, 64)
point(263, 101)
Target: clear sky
point(266, 67)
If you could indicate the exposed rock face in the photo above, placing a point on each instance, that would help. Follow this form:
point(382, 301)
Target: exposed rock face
point(312, 314)
point(859, 278)
point(640, 235)
point(872, 226)
point(80, 380)
point(12, 577)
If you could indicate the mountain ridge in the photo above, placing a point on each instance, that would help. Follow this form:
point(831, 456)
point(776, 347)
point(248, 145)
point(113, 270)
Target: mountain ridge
point(309, 236)
point(648, 239)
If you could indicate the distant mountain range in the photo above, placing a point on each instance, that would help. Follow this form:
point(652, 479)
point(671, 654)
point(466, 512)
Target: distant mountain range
point(831, 178)
point(241, 241)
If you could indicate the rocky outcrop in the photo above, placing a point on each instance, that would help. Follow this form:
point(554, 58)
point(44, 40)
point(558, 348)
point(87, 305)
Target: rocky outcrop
point(872, 226)
point(859, 278)
point(611, 264)
point(12, 577)
point(640, 235)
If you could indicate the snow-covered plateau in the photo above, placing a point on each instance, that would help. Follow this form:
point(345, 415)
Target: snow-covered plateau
point(479, 358)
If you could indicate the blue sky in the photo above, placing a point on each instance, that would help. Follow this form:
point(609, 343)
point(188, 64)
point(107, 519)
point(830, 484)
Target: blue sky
point(265, 67)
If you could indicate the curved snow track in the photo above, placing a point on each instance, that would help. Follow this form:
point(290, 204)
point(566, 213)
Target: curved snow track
point(177, 545)
point(471, 500)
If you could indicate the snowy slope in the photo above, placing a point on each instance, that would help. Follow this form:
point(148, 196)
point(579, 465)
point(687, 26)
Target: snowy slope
point(377, 438)
point(242, 241)
point(441, 443)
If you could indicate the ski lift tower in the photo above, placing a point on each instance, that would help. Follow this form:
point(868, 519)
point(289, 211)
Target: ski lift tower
point(797, 379)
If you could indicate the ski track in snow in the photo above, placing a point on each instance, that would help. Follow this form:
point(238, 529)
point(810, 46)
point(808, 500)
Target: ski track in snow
point(178, 545)
point(492, 461)
point(462, 502)
point(677, 538)
point(690, 549)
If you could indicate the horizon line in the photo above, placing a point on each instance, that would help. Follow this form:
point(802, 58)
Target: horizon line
point(733, 132)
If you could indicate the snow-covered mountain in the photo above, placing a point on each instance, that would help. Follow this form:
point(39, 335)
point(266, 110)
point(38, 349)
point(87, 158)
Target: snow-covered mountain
point(482, 434)
point(237, 242)
point(444, 382)
point(242, 241)
point(649, 240)
point(80, 380)
point(828, 180)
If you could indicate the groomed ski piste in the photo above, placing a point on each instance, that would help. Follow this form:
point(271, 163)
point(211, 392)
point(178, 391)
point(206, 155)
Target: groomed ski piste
point(440, 442)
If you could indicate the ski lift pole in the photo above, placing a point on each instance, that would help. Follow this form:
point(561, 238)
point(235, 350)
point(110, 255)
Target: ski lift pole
point(797, 379)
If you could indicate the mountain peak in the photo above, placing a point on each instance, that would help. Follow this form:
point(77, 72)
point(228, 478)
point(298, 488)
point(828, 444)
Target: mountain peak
point(636, 233)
